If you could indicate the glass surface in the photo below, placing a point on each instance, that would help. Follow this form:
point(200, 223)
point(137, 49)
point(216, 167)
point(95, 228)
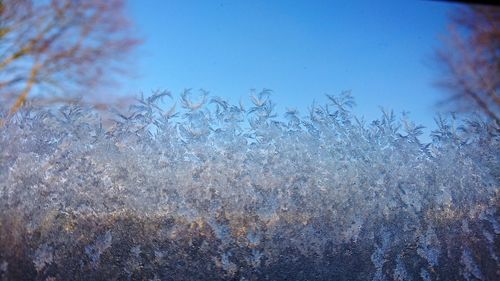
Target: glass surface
point(330, 140)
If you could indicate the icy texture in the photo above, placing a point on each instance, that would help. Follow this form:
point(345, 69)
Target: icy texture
point(95, 250)
point(221, 191)
point(43, 257)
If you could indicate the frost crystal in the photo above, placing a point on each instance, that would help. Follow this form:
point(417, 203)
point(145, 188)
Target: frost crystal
point(201, 189)
point(95, 250)
point(471, 268)
point(43, 257)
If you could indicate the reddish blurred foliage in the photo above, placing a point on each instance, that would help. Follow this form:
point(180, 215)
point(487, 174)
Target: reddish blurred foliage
point(60, 49)
point(470, 60)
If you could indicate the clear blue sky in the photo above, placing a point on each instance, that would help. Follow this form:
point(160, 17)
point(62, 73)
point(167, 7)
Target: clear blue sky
point(381, 50)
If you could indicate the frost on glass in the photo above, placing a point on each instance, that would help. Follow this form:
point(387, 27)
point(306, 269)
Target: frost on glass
point(197, 188)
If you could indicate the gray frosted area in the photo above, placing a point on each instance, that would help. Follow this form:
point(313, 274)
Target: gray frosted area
point(208, 190)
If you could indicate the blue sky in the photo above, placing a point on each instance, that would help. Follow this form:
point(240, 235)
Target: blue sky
point(302, 50)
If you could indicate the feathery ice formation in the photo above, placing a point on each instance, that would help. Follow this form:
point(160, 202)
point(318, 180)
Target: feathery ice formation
point(218, 191)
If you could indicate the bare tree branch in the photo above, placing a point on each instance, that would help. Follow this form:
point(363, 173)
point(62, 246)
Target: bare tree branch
point(71, 47)
point(470, 60)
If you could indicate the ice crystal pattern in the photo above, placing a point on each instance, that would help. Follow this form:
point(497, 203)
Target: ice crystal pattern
point(201, 189)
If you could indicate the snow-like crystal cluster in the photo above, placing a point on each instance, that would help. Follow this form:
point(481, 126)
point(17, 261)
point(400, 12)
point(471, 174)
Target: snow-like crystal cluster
point(219, 191)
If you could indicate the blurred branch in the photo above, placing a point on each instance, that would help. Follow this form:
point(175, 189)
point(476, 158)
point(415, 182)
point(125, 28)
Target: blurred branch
point(66, 46)
point(24, 94)
point(470, 60)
